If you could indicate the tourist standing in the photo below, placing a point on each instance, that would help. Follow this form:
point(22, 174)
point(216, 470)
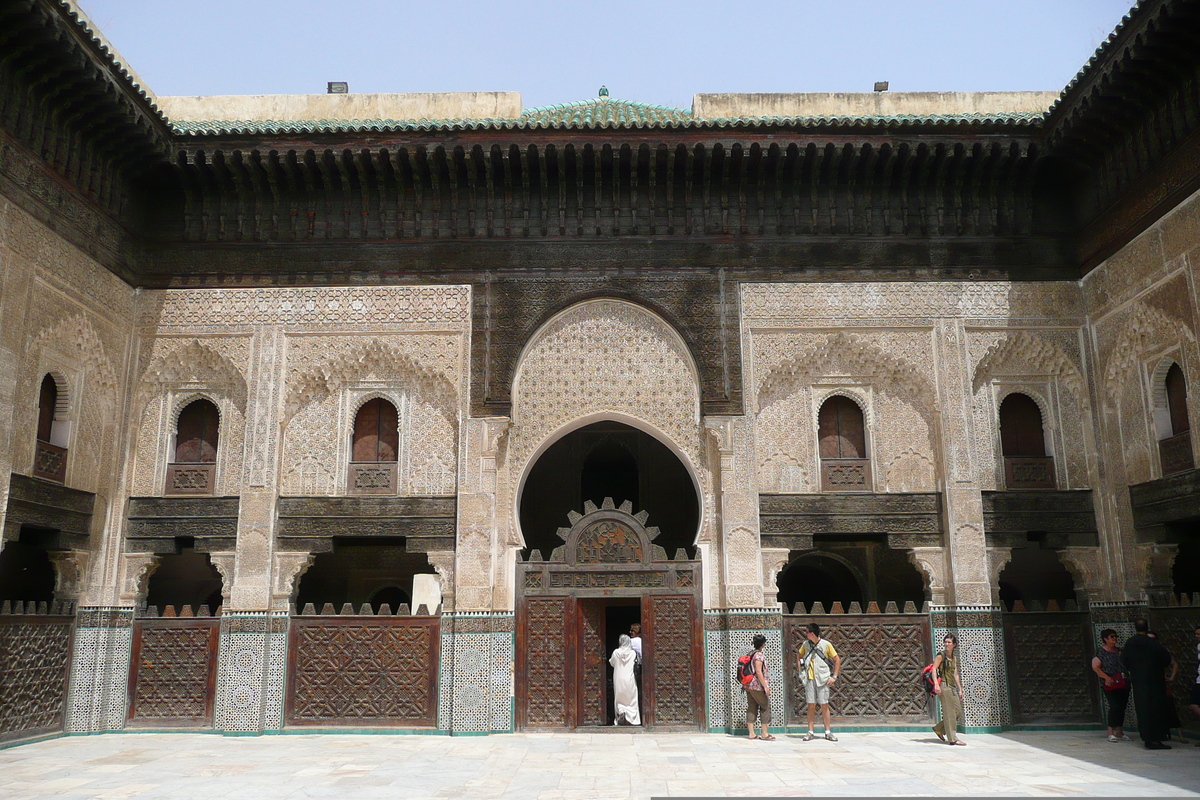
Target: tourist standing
point(1173, 721)
point(819, 665)
point(947, 685)
point(1146, 661)
point(625, 693)
point(1107, 664)
point(758, 692)
point(1194, 705)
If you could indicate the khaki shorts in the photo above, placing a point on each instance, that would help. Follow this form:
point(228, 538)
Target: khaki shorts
point(816, 694)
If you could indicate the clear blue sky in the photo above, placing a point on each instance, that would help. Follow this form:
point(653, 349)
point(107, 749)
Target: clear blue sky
point(655, 52)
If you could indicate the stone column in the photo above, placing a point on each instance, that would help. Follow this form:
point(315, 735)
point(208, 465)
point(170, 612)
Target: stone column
point(971, 615)
point(737, 512)
point(253, 649)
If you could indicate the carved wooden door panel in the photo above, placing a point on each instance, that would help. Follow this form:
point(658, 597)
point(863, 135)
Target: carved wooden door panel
point(173, 675)
point(593, 698)
point(1049, 676)
point(363, 670)
point(672, 660)
point(542, 655)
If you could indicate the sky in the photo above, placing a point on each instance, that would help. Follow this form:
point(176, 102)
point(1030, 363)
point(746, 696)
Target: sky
point(652, 51)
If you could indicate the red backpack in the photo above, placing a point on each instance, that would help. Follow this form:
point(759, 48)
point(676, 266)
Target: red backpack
point(744, 670)
point(927, 680)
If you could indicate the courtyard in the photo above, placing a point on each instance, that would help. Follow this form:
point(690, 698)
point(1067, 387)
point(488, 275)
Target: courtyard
point(560, 766)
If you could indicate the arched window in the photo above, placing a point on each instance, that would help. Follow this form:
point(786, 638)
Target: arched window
point(1023, 442)
point(842, 442)
point(193, 470)
point(1175, 451)
point(50, 457)
point(374, 448)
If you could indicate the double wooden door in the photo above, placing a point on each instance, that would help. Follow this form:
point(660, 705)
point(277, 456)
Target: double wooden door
point(562, 661)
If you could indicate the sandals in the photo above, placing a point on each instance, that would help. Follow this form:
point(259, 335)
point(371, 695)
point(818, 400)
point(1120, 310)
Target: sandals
point(767, 738)
point(752, 738)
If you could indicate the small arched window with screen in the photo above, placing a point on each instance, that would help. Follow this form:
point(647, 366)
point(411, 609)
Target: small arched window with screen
point(842, 443)
point(374, 448)
point(1023, 442)
point(50, 455)
point(1175, 451)
point(193, 467)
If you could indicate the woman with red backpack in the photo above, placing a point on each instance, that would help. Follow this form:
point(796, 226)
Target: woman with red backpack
point(947, 685)
point(758, 691)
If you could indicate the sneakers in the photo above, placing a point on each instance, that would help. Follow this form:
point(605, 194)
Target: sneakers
point(808, 737)
point(1112, 738)
point(830, 737)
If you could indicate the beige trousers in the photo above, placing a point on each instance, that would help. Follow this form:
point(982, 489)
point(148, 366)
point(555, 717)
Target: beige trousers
point(951, 713)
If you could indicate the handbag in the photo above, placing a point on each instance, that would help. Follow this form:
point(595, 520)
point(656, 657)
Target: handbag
point(1118, 683)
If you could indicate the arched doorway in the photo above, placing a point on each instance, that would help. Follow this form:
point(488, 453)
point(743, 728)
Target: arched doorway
point(592, 568)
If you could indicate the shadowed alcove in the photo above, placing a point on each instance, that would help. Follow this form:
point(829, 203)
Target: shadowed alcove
point(1035, 575)
point(850, 572)
point(602, 460)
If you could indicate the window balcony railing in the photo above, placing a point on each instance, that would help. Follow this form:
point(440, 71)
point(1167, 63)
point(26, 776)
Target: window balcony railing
point(372, 477)
point(191, 478)
point(1175, 453)
point(845, 475)
point(1029, 472)
point(50, 462)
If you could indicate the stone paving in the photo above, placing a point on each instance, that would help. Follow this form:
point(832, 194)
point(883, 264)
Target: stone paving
point(559, 766)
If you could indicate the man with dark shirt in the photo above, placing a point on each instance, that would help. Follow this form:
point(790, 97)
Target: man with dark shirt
point(1147, 661)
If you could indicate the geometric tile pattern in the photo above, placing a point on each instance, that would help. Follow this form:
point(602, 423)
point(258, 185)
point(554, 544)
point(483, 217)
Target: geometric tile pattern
point(725, 699)
point(476, 680)
point(981, 663)
point(33, 673)
point(251, 663)
point(100, 661)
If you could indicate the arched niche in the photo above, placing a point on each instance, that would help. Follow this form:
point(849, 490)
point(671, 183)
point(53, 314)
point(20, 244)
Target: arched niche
point(608, 459)
point(1022, 432)
point(850, 571)
point(184, 578)
point(26, 571)
point(1035, 575)
point(364, 573)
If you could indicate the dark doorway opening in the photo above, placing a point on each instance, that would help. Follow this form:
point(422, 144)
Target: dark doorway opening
point(1035, 575)
point(185, 578)
point(25, 570)
point(609, 460)
point(619, 615)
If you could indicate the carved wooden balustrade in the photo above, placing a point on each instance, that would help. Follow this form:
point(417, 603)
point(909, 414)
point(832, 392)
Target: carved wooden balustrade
point(1175, 453)
point(50, 462)
point(1028, 472)
point(35, 640)
point(191, 478)
point(173, 673)
point(372, 477)
point(845, 475)
point(1048, 649)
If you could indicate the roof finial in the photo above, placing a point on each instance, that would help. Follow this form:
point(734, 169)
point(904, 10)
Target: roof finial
point(604, 91)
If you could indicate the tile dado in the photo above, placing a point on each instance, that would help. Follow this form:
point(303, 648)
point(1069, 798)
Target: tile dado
point(476, 681)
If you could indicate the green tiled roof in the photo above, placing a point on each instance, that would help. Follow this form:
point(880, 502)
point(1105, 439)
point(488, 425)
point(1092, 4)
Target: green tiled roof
point(597, 114)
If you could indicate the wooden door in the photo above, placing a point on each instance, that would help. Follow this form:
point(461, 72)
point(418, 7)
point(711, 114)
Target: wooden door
point(592, 681)
point(672, 664)
point(546, 681)
point(173, 676)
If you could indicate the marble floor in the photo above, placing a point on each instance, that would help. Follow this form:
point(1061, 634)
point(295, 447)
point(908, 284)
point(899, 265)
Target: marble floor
point(554, 766)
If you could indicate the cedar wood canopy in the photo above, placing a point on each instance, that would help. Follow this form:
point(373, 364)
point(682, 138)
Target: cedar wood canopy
point(598, 197)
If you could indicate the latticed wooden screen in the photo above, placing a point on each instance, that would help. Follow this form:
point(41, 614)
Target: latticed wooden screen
point(673, 660)
point(173, 672)
point(1176, 628)
point(1049, 674)
point(376, 670)
point(592, 659)
point(882, 656)
point(33, 673)
point(544, 645)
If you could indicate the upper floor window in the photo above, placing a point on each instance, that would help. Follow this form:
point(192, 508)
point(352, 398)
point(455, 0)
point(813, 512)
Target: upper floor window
point(374, 448)
point(1023, 442)
point(1175, 450)
point(193, 469)
point(50, 454)
point(842, 443)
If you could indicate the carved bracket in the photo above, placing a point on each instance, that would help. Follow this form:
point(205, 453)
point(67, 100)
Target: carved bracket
point(288, 569)
point(70, 568)
point(136, 569)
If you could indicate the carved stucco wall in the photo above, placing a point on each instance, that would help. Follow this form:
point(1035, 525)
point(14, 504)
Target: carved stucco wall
point(1141, 305)
point(926, 362)
point(287, 369)
point(63, 313)
point(606, 359)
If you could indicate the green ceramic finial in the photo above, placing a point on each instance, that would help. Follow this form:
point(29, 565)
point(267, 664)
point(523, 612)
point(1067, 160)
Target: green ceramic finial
point(604, 91)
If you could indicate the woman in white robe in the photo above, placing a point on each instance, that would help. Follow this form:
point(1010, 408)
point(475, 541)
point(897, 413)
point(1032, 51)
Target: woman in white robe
point(625, 693)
